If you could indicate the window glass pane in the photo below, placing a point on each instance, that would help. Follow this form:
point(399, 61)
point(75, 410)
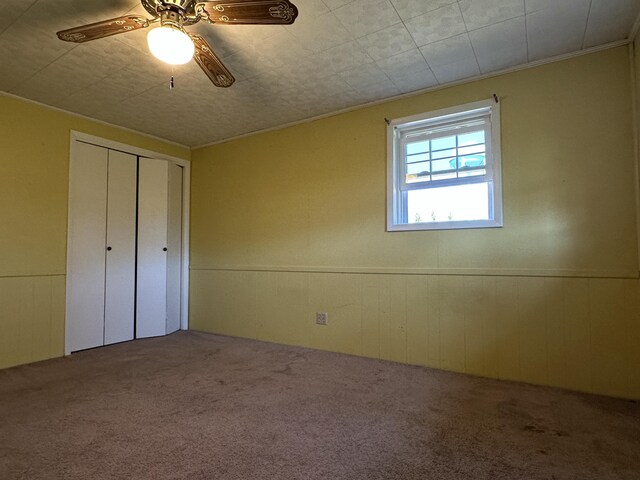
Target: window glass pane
point(471, 138)
point(443, 165)
point(472, 161)
point(417, 147)
point(471, 150)
point(444, 204)
point(443, 153)
point(419, 157)
point(417, 167)
point(443, 143)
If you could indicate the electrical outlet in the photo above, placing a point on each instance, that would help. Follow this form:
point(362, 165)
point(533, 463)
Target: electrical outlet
point(322, 318)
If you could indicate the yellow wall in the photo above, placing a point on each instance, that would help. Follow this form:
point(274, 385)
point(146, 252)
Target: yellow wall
point(291, 222)
point(33, 214)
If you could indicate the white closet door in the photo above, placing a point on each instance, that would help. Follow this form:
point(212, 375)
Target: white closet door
point(121, 248)
point(85, 250)
point(151, 308)
point(174, 246)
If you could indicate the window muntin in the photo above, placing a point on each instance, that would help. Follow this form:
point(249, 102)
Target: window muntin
point(454, 154)
point(443, 170)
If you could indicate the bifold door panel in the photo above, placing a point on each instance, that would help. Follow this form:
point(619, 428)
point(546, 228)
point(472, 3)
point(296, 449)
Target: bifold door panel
point(152, 248)
point(86, 246)
point(120, 272)
point(174, 245)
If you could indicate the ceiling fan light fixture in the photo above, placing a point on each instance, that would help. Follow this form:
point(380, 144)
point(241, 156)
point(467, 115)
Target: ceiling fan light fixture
point(171, 45)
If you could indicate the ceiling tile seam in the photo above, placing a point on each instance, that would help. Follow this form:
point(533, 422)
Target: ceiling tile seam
point(399, 53)
point(524, 66)
point(73, 47)
point(132, 97)
point(428, 66)
point(396, 10)
point(356, 38)
point(330, 9)
point(385, 73)
point(132, 9)
point(122, 42)
point(418, 47)
point(297, 37)
point(486, 26)
point(102, 122)
point(380, 30)
point(413, 40)
point(338, 72)
point(19, 17)
point(369, 56)
point(325, 5)
point(526, 30)
point(586, 25)
point(427, 11)
point(400, 89)
point(495, 23)
point(466, 28)
point(91, 85)
point(499, 23)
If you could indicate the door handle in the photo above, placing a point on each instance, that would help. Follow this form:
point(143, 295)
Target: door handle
point(108, 249)
point(164, 249)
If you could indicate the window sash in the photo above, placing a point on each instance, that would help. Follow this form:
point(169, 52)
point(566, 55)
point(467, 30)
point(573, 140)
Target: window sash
point(403, 199)
point(444, 129)
point(458, 127)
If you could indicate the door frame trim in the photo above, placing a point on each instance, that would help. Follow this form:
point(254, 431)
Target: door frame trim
point(77, 136)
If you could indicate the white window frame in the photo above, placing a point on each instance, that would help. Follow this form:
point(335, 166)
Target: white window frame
point(397, 188)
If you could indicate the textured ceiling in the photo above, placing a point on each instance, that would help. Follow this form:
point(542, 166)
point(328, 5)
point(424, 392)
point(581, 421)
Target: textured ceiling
point(338, 54)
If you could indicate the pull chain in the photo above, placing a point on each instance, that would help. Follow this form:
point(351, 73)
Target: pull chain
point(171, 85)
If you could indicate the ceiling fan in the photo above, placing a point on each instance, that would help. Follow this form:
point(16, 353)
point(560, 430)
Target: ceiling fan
point(172, 44)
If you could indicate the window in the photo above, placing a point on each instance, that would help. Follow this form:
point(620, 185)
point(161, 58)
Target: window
point(444, 169)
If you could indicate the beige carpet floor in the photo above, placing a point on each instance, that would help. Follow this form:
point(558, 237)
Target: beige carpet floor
point(199, 406)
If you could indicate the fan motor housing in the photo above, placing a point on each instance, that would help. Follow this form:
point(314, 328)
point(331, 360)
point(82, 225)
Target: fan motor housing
point(183, 8)
point(172, 18)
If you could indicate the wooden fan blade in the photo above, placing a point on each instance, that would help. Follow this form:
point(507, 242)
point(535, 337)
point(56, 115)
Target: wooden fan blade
point(248, 12)
point(210, 63)
point(106, 28)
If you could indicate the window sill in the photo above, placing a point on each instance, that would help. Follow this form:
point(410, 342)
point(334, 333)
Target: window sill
point(411, 227)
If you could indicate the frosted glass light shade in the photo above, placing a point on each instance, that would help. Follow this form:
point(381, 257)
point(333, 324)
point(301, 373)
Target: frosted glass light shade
point(170, 45)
